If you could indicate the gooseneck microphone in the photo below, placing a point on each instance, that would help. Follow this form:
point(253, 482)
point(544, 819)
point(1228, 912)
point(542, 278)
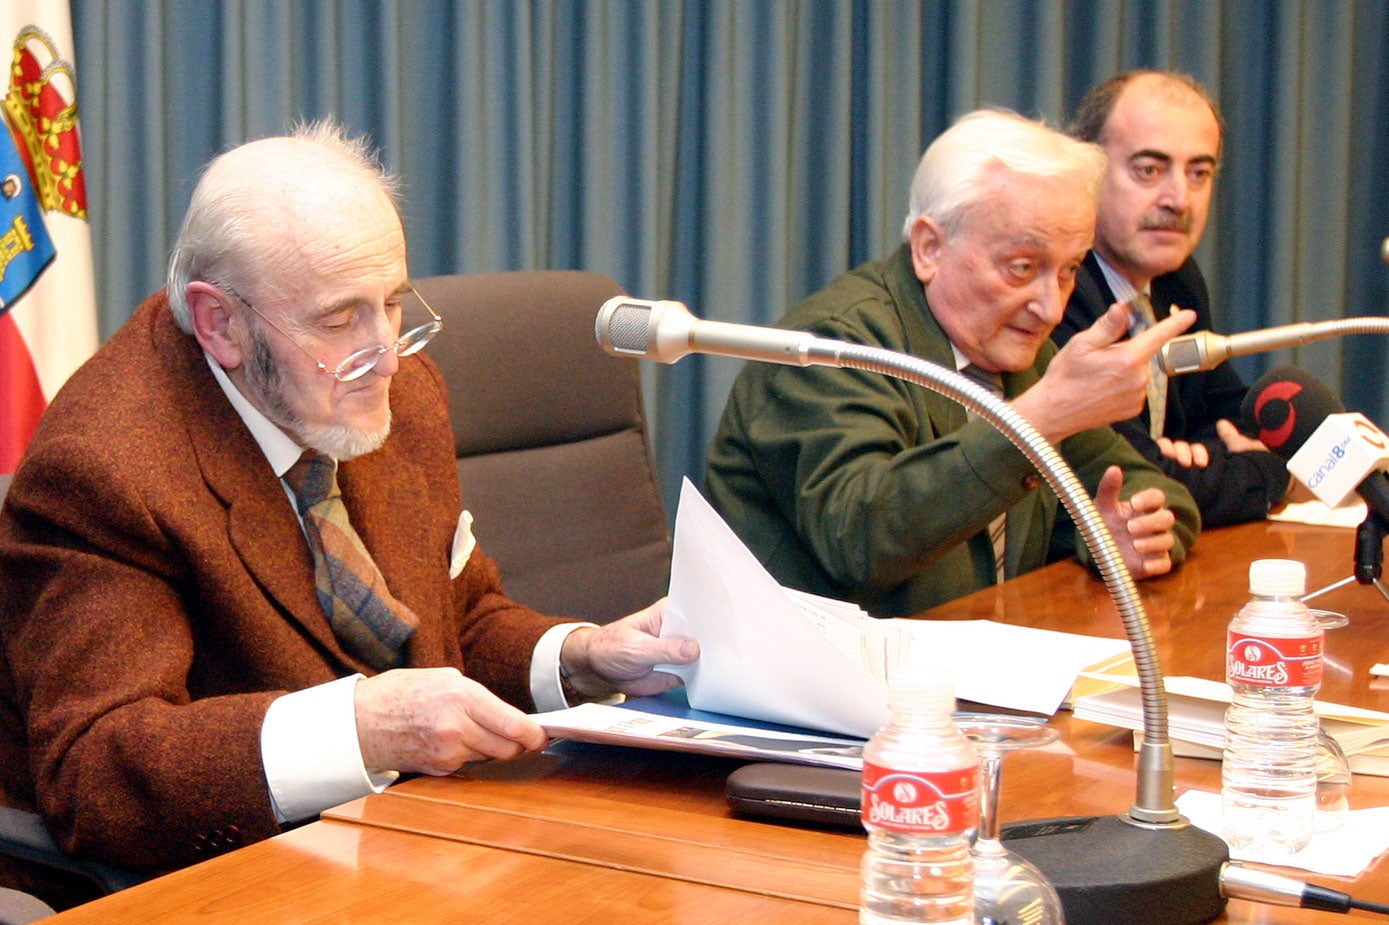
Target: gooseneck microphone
point(665, 331)
point(1205, 350)
point(1147, 866)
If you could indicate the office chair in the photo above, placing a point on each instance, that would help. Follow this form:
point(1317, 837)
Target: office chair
point(553, 454)
point(19, 908)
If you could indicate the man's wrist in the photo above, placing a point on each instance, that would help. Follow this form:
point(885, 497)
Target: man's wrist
point(577, 678)
point(545, 685)
point(566, 684)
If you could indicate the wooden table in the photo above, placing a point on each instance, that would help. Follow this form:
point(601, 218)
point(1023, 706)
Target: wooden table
point(605, 834)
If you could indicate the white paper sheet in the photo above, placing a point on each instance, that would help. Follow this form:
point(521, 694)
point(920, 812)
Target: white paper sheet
point(1319, 513)
point(1339, 848)
point(759, 654)
point(1018, 667)
point(779, 655)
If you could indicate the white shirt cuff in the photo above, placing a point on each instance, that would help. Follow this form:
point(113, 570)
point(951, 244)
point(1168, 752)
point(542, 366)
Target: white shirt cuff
point(309, 748)
point(547, 688)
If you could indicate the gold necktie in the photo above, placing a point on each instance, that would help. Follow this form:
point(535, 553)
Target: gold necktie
point(1157, 378)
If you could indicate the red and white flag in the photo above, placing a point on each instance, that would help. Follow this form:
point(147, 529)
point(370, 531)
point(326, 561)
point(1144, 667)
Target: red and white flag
point(48, 323)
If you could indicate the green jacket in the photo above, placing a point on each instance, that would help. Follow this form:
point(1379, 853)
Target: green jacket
point(863, 487)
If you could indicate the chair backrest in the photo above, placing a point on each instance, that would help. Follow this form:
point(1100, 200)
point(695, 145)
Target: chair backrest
point(553, 454)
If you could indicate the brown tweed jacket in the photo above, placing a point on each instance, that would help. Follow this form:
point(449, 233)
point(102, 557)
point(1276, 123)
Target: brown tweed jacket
point(156, 594)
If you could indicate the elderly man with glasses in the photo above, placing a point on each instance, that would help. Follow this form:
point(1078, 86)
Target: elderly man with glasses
point(236, 583)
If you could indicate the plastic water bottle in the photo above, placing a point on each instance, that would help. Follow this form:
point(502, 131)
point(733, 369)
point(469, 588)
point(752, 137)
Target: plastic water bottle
point(920, 807)
point(1274, 667)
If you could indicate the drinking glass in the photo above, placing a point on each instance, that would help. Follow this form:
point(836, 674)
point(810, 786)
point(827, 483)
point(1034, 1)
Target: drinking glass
point(1333, 782)
point(1329, 619)
point(1008, 889)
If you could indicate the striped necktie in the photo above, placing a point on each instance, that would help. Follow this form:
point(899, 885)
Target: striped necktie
point(1144, 318)
point(368, 621)
point(998, 527)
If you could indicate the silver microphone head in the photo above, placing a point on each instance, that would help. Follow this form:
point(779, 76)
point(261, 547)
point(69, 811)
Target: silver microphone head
point(656, 329)
point(1182, 355)
point(624, 326)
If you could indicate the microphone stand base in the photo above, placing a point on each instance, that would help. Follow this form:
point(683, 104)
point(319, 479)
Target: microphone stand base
point(1107, 869)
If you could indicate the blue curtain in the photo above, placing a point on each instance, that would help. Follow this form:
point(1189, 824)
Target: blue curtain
point(738, 154)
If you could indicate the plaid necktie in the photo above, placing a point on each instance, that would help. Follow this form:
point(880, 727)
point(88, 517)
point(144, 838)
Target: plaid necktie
point(998, 527)
point(1157, 379)
point(368, 621)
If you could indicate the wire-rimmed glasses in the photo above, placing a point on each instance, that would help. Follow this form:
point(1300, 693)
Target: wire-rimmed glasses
point(360, 362)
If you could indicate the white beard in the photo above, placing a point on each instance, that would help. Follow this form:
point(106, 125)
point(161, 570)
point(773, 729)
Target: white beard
point(339, 441)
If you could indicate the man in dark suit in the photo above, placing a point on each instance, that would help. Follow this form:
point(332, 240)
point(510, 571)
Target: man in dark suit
point(1162, 134)
point(179, 677)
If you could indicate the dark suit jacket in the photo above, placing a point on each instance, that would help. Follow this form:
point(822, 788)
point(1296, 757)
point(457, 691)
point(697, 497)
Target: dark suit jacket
point(1235, 487)
point(156, 594)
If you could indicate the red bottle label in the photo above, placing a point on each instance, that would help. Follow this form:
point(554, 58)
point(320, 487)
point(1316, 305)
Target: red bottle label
point(1276, 662)
point(921, 802)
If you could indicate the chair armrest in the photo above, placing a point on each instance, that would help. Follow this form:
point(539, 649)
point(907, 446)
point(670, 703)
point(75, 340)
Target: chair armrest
point(23, 835)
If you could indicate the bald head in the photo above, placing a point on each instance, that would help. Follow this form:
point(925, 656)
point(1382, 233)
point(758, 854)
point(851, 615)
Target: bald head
point(1092, 114)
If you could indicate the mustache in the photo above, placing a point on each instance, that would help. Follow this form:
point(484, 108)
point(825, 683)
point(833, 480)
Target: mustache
point(1166, 221)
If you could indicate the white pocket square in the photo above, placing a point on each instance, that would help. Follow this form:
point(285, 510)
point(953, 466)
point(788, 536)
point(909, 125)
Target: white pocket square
point(463, 543)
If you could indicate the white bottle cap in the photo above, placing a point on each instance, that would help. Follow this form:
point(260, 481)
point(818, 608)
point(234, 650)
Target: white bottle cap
point(922, 677)
point(1277, 578)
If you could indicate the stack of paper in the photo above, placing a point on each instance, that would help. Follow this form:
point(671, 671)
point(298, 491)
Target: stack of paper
point(770, 653)
point(1196, 720)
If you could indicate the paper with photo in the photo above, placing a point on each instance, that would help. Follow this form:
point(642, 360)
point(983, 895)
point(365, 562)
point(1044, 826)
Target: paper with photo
point(615, 725)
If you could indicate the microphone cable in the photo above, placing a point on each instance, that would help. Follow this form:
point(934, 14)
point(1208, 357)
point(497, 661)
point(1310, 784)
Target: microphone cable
point(1240, 882)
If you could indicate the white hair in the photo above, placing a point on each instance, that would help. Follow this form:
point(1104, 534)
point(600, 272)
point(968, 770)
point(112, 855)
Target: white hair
point(230, 231)
point(956, 166)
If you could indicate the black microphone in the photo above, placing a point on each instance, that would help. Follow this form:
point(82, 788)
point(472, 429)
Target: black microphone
point(1205, 350)
point(1328, 450)
point(1284, 407)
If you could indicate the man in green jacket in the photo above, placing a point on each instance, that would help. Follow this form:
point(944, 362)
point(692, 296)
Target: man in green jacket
point(863, 487)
